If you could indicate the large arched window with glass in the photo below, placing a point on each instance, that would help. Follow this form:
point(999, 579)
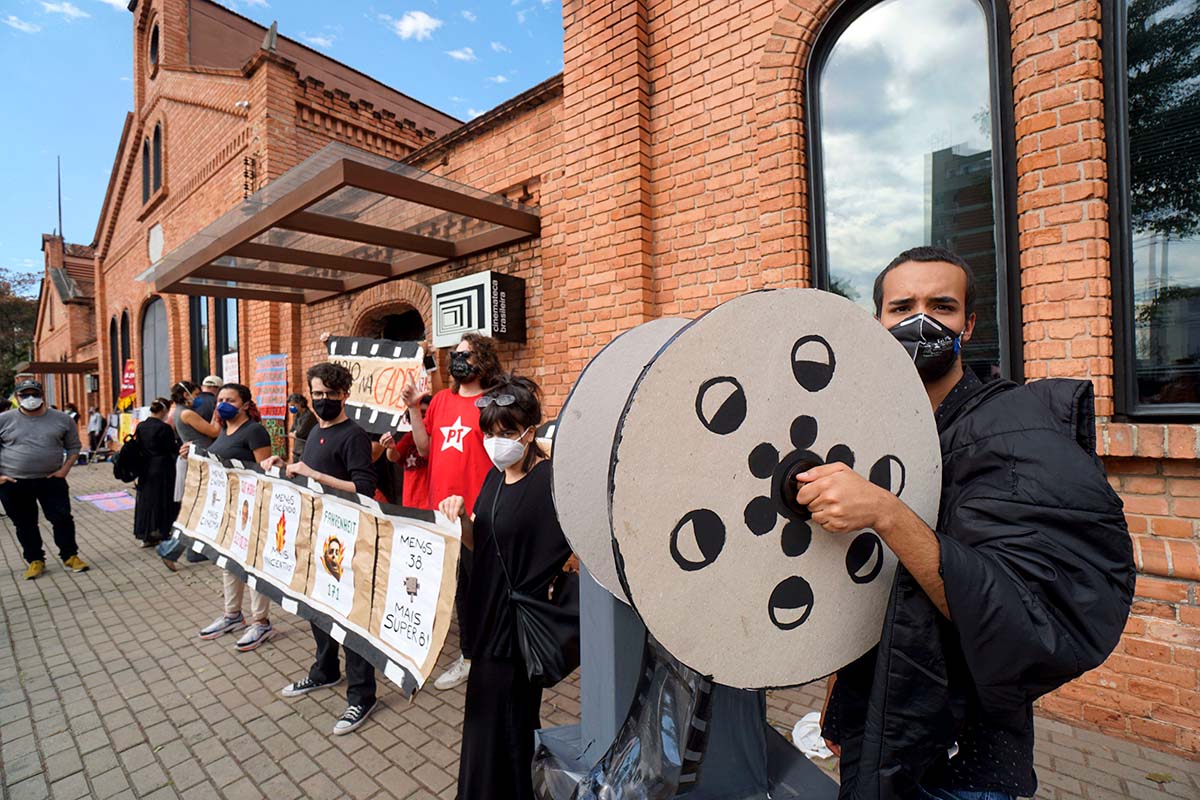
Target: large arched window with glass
point(910, 137)
point(157, 161)
point(114, 357)
point(1152, 63)
point(145, 171)
point(156, 361)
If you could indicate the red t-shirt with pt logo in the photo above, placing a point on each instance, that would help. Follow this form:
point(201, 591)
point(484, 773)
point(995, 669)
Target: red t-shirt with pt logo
point(457, 461)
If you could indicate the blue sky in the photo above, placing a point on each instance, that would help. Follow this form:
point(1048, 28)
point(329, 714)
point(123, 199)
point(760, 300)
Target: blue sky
point(67, 65)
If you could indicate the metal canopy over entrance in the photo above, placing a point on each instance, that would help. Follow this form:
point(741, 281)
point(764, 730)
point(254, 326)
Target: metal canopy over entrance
point(341, 220)
point(56, 367)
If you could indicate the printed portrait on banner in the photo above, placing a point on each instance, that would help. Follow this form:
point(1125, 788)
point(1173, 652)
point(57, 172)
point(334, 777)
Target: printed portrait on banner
point(209, 525)
point(333, 556)
point(245, 519)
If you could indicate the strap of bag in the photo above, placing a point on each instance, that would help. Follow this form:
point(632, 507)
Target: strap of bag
point(496, 537)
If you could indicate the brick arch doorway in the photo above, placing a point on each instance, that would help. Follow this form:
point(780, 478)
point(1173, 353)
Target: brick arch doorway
point(400, 322)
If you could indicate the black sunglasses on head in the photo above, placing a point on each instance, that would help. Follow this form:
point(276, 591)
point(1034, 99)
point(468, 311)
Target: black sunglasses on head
point(499, 399)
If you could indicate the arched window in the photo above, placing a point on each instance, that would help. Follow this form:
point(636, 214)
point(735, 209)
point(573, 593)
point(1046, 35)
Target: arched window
point(198, 327)
point(126, 349)
point(114, 356)
point(153, 50)
point(911, 144)
point(145, 170)
point(156, 361)
point(157, 161)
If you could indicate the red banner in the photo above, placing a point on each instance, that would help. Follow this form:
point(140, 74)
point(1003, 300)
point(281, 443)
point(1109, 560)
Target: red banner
point(128, 386)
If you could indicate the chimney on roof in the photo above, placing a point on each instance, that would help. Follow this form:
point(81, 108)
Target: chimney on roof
point(268, 43)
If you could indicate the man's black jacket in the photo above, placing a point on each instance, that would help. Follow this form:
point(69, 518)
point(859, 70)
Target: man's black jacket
point(1039, 576)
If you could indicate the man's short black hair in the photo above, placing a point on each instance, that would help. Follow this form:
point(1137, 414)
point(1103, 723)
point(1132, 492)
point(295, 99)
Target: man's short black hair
point(927, 254)
point(335, 377)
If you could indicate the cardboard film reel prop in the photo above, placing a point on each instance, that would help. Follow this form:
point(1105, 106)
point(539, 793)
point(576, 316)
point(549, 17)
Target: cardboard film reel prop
point(586, 427)
point(718, 560)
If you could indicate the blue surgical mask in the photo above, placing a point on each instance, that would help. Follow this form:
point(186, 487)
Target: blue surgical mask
point(227, 411)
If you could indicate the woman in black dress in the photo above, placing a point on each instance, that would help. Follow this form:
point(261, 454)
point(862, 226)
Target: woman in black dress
point(155, 510)
point(513, 520)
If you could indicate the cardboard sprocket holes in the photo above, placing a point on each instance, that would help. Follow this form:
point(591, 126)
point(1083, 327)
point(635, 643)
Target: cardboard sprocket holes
point(583, 441)
point(735, 581)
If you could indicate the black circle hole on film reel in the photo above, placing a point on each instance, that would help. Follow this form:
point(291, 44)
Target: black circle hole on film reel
point(797, 536)
point(840, 454)
point(721, 405)
point(791, 603)
point(803, 432)
point(889, 473)
point(763, 460)
point(761, 516)
point(864, 558)
point(699, 533)
point(813, 362)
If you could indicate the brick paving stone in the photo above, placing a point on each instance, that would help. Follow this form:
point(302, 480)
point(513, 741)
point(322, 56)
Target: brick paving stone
point(29, 789)
point(187, 773)
point(72, 787)
point(109, 783)
point(92, 708)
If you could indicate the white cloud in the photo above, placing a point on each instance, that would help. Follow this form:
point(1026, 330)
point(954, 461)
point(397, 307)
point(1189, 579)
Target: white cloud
point(126, 78)
point(469, 16)
point(66, 9)
point(498, 79)
point(118, 5)
point(20, 24)
point(455, 99)
point(521, 16)
point(414, 25)
point(498, 47)
point(473, 112)
point(463, 54)
point(324, 40)
point(259, 3)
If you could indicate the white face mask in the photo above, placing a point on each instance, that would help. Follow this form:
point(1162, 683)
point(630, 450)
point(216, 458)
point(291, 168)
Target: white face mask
point(31, 403)
point(504, 452)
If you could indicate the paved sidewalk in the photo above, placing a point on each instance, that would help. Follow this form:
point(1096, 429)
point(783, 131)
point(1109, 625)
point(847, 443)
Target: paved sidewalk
point(105, 691)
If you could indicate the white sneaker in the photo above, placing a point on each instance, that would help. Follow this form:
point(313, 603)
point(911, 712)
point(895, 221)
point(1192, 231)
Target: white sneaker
point(456, 675)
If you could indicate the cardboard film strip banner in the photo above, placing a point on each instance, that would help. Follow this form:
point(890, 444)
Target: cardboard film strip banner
point(379, 578)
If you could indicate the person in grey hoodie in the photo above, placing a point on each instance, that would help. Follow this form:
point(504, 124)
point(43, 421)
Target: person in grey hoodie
point(38, 446)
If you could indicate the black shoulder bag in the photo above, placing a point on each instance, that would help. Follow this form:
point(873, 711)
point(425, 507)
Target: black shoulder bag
point(547, 629)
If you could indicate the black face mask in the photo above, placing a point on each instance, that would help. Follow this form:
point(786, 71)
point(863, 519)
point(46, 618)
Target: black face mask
point(327, 408)
point(933, 347)
point(460, 367)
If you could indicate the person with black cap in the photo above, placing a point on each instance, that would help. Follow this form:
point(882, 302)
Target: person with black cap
point(37, 448)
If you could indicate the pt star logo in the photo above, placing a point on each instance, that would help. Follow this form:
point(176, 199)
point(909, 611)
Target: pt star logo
point(454, 435)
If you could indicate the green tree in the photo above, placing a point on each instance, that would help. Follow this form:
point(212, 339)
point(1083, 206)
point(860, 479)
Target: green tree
point(1163, 52)
point(18, 317)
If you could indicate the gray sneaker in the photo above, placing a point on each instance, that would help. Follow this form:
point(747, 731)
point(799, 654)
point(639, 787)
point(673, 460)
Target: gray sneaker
point(223, 625)
point(353, 718)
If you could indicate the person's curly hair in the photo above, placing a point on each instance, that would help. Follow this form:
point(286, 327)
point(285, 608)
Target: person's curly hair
point(486, 358)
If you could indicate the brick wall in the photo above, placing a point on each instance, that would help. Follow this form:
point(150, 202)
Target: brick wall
point(669, 170)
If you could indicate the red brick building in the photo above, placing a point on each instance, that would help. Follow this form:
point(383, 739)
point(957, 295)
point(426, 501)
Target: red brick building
point(693, 150)
point(65, 333)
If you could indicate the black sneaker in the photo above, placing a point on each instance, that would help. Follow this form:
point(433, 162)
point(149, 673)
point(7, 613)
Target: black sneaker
point(352, 718)
point(306, 685)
